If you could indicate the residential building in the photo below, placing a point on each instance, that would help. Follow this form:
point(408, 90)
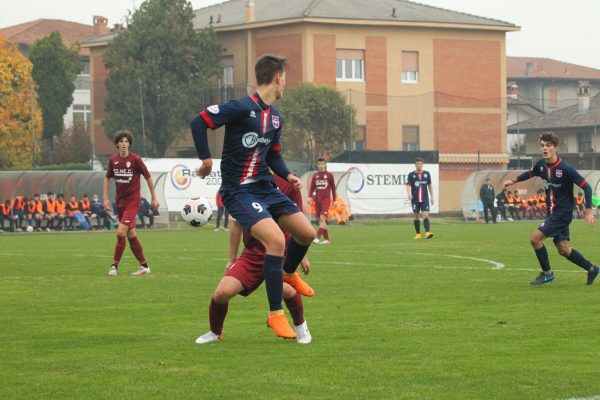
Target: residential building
point(577, 127)
point(72, 33)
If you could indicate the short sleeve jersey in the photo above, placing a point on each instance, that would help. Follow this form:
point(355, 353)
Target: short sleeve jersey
point(418, 182)
point(252, 130)
point(126, 173)
point(322, 186)
point(558, 179)
point(253, 249)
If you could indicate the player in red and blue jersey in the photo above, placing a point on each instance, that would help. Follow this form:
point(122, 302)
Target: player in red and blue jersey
point(125, 168)
point(244, 274)
point(559, 179)
point(417, 184)
point(252, 146)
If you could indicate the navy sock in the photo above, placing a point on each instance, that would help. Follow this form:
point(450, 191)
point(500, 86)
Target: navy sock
point(417, 226)
point(274, 281)
point(578, 259)
point(542, 256)
point(295, 254)
point(426, 224)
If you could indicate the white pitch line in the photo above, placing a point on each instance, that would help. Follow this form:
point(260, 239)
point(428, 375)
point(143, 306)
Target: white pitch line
point(597, 397)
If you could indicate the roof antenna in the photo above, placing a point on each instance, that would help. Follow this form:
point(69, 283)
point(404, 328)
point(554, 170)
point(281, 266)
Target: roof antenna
point(394, 12)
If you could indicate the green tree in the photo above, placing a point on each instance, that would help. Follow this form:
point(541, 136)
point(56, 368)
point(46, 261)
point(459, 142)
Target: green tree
point(55, 68)
point(159, 65)
point(318, 122)
point(20, 116)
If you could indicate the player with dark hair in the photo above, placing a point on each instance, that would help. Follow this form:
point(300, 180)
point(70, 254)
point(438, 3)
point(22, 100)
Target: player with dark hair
point(126, 167)
point(252, 146)
point(559, 178)
point(322, 190)
point(244, 274)
point(417, 183)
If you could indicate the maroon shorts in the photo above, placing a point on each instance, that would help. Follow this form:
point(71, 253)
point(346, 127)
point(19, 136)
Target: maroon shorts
point(127, 216)
point(322, 207)
point(248, 272)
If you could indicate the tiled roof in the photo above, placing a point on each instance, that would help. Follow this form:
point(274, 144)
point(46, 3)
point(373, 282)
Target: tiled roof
point(29, 32)
point(517, 68)
point(568, 117)
point(232, 12)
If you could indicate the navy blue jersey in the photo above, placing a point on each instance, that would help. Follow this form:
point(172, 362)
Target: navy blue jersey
point(418, 183)
point(252, 133)
point(558, 179)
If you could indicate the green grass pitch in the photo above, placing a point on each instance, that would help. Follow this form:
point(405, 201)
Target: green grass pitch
point(453, 317)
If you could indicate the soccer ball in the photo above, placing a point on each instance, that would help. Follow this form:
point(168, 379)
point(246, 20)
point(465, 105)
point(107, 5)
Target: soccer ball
point(29, 228)
point(196, 211)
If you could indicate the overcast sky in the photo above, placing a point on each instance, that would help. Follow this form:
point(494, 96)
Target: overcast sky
point(566, 31)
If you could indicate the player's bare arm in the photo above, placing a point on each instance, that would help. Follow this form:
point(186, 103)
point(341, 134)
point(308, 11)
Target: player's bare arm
point(105, 199)
point(295, 181)
point(204, 170)
point(431, 193)
point(408, 192)
point(589, 217)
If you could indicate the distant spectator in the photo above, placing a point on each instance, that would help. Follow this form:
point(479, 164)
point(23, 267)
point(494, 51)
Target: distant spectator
point(5, 215)
point(17, 206)
point(487, 195)
point(501, 204)
point(103, 218)
point(50, 211)
point(221, 212)
point(579, 205)
point(145, 210)
point(29, 212)
point(76, 214)
point(61, 212)
point(340, 212)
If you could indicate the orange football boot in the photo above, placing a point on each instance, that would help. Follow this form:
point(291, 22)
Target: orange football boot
point(280, 325)
point(295, 281)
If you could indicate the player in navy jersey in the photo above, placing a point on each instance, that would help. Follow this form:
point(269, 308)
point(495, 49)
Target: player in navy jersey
point(417, 184)
point(244, 274)
point(125, 168)
point(559, 178)
point(251, 146)
point(322, 190)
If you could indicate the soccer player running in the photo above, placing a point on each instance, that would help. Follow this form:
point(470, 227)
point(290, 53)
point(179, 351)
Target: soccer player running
point(322, 190)
point(559, 178)
point(244, 275)
point(126, 167)
point(417, 184)
point(252, 146)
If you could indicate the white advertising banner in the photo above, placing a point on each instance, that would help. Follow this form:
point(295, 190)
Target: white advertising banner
point(381, 188)
point(181, 181)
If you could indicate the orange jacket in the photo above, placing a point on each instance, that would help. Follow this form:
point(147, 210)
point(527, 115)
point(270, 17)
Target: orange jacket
point(86, 206)
point(17, 203)
point(50, 206)
point(61, 206)
point(5, 210)
point(39, 207)
point(31, 208)
point(579, 200)
point(73, 207)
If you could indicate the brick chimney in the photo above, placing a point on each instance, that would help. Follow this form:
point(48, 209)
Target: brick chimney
point(249, 15)
point(512, 90)
point(100, 25)
point(583, 96)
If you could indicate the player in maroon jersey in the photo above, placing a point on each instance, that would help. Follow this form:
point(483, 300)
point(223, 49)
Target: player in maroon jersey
point(322, 190)
point(125, 168)
point(244, 274)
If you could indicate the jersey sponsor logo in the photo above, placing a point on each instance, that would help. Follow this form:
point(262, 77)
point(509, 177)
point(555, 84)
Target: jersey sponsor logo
point(550, 184)
point(559, 173)
point(181, 176)
point(251, 139)
point(214, 109)
point(275, 121)
point(252, 114)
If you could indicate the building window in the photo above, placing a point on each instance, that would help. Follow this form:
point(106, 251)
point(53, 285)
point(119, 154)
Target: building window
point(350, 65)
point(410, 138)
point(81, 115)
point(584, 140)
point(360, 137)
point(410, 67)
point(227, 78)
point(83, 80)
point(553, 97)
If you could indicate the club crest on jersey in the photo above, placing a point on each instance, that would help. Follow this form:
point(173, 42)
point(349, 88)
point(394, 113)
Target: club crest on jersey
point(252, 114)
point(425, 176)
point(275, 121)
point(559, 173)
point(214, 109)
point(128, 164)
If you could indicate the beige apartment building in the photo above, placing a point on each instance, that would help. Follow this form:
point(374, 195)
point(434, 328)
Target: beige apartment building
point(421, 78)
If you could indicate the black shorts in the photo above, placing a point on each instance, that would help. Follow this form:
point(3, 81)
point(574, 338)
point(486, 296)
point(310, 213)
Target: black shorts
point(557, 227)
point(420, 206)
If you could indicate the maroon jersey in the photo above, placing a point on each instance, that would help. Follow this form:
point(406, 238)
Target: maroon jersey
point(322, 187)
point(253, 249)
point(126, 172)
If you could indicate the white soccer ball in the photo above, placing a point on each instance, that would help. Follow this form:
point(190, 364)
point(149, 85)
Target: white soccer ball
point(29, 228)
point(196, 211)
